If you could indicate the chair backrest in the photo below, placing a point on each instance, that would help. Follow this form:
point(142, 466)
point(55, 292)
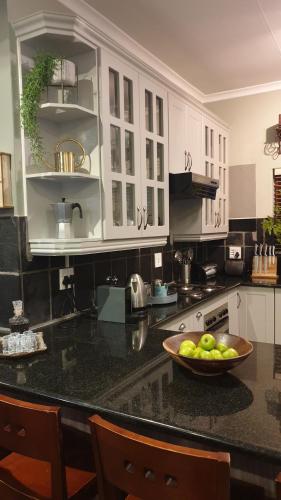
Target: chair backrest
point(150, 469)
point(34, 431)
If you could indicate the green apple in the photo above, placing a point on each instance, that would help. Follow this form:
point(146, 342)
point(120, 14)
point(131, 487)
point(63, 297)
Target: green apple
point(221, 347)
point(197, 352)
point(205, 355)
point(188, 343)
point(207, 342)
point(230, 353)
point(186, 351)
point(216, 354)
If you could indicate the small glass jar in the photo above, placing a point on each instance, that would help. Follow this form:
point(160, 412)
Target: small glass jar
point(18, 323)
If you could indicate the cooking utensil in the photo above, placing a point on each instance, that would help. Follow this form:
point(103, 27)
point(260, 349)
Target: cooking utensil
point(208, 367)
point(63, 213)
point(138, 291)
point(66, 161)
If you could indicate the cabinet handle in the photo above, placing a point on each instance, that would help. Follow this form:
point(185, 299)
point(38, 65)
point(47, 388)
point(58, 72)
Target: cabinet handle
point(182, 327)
point(145, 220)
point(198, 315)
point(219, 219)
point(238, 300)
point(189, 162)
point(139, 217)
point(216, 220)
point(185, 160)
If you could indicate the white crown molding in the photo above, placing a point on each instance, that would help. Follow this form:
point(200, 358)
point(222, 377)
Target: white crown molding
point(115, 38)
point(243, 92)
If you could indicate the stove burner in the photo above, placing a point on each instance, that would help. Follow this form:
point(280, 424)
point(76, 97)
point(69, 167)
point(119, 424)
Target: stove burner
point(197, 294)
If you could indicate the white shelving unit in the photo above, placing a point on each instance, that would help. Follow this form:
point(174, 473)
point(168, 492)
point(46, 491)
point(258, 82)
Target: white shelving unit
point(62, 113)
point(55, 176)
point(68, 114)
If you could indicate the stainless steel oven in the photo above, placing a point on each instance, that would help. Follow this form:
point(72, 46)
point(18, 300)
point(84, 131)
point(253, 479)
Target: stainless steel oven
point(217, 320)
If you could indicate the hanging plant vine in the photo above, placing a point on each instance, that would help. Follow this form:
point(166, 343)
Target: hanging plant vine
point(35, 81)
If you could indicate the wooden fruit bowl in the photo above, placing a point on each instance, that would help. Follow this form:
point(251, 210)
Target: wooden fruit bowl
point(204, 366)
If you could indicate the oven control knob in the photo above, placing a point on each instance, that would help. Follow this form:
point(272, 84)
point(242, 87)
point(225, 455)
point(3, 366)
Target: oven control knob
point(214, 319)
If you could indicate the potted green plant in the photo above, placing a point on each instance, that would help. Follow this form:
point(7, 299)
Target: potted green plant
point(272, 225)
point(35, 81)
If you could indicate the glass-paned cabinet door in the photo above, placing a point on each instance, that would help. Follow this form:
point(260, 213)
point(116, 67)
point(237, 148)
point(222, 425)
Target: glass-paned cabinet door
point(222, 194)
point(210, 152)
point(154, 158)
point(121, 149)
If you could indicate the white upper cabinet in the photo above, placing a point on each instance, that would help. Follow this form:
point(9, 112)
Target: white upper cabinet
point(134, 153)
point(154, 158)
point(185, 137)
point(121, 149)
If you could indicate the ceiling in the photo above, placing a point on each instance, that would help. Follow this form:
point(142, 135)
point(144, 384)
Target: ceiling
point(216, 45)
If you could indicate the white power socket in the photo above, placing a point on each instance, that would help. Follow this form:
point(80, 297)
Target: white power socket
point(235, 252)
point(158, 259)
point(66, 271)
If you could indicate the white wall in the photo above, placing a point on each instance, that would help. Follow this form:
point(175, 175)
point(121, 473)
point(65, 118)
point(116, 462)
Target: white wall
point(249, 117)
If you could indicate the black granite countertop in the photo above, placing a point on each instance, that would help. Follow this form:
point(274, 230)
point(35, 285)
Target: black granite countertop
point(122, 371)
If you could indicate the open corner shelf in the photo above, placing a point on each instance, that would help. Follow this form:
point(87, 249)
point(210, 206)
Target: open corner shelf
point(61, 113)
point(62, 175)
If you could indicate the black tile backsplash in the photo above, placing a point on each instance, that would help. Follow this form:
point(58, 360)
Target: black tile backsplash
point(242, 225)
point(36, 280)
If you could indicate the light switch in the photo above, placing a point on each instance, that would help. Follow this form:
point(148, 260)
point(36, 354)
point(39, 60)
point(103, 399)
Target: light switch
point(235, 252)
point(158, 259)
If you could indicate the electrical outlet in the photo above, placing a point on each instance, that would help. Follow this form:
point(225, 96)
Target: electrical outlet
point(158, 259)
point(235, 252)
point(66, 271)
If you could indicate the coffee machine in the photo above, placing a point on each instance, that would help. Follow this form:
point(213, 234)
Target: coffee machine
point(63, 213)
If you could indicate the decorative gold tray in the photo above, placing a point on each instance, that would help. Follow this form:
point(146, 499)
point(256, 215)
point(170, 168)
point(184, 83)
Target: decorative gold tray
point(41, 347)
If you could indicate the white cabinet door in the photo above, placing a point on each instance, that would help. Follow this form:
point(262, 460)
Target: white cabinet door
point(234, 301)
point(277, 316)
point(154, 158)
point(185, 137)
point(209, 207)
point(120, 149)
point(177, 136)
point(193, 132)
point(256, 314)
point(222, 198)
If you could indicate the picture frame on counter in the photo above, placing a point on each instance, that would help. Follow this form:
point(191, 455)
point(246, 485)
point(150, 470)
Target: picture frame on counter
point(6, 197)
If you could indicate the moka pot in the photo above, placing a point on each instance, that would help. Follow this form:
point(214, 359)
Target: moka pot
point(63, 213)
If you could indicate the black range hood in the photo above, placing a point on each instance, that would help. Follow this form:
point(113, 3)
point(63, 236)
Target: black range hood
point(189, 185)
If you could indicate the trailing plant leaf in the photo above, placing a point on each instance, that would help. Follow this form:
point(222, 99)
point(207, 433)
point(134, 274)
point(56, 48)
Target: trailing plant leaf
point(35, 81)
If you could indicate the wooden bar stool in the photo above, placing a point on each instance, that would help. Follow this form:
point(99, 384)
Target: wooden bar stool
point(34, 467)
point(278, 486)
point(150, 469)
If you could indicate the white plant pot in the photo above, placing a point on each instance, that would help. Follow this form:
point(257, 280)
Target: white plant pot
point(64, 74)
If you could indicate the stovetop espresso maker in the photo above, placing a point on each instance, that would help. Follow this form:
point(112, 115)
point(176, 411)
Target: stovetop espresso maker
point(63, 213)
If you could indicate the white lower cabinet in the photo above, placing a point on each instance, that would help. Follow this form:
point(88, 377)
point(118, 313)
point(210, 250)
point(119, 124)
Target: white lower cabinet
point(234, 300)
point(256, 313)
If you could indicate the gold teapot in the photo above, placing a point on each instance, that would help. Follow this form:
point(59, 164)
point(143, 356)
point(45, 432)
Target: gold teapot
point(66, 161)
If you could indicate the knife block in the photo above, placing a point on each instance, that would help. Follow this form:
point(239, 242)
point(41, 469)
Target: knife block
point(264, 267)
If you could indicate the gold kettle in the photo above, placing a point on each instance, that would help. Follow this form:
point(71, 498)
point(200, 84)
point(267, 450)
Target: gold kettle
point(65, 161)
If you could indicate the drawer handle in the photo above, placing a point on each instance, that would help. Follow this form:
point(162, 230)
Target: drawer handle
point(238, 300)
point(182, 327)
point(199, 315)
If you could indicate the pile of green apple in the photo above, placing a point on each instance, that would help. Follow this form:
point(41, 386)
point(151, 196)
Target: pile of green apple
point(206, 349)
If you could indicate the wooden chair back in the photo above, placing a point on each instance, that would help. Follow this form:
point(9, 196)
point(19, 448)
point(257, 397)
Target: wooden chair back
point(152, 469)
point(34, 431)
